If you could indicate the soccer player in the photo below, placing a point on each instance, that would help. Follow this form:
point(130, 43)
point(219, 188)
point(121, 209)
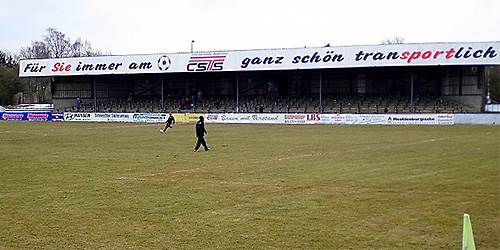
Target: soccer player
point(200, 133)
point(169, 123)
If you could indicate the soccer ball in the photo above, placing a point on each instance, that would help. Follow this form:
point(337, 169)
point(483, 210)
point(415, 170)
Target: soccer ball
point(164, 63)
point(161, 130)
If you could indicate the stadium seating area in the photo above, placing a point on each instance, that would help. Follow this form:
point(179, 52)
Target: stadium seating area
point(354, 104)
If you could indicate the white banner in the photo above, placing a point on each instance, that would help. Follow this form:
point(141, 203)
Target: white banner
point(245, 118)
point(114, 117)
point(111, 117)
point(429, 54)
point(150, 117)
point(347, 119)
point(77, 117)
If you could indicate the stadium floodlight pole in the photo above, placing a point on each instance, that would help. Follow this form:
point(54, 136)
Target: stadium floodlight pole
point(192, 42)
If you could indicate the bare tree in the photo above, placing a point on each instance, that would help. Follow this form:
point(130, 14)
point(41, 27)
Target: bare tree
point(83, 49)
point(394, 40)
point(37, 50)
point(56, 44)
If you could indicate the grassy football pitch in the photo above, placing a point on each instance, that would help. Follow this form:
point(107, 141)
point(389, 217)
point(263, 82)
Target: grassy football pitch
point(127, 186)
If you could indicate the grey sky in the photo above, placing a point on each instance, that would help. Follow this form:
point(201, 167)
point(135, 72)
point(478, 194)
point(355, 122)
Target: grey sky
point(155, 26)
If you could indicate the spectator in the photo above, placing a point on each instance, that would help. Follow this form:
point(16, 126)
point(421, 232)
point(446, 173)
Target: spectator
point(200, 95)
point(183, 103)
point(78, 102)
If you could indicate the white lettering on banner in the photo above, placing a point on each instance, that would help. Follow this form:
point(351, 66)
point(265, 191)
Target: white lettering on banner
point(38, 117)
point(12, 117)
point(429, 54)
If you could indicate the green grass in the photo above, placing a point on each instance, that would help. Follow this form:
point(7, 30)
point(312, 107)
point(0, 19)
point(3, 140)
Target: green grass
point(126, 186)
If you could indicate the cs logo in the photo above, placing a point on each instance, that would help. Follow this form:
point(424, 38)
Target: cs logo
point(206, 63)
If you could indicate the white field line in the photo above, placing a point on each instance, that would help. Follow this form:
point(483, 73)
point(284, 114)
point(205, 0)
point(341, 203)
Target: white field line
point(209, 168)
point(342, 189)
point(284, 185)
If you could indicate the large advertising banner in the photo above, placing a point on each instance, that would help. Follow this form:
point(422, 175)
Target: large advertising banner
point(113, 117)
point(77, 117)
point(246, 118)
point(432, 119)
point(149, 117)
point(27, 116)
point(428, 54)
point(129, 117)
point(346, 119)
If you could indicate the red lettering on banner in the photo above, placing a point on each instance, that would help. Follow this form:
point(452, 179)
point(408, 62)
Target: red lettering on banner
point(426, 55)
point(437, 54)
point(404, 55)
point(313, 117)
point(60, 67)
point(450, 53)
point(414, 55)
point(411, 56)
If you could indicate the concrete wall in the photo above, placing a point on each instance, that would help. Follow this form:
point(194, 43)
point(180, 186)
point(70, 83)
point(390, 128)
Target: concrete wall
point(61, 104)
point(475, 101)
point(477, 119)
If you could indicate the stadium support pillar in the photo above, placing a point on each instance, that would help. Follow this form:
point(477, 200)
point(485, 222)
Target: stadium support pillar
point(411, 91)
point(95, 94)
point(320, 93)
point(237, 93)
point(162, 95)
point(460, 81)
point(481, 80)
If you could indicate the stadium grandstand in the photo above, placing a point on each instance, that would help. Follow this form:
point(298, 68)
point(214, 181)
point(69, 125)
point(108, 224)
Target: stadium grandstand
point(373, 79)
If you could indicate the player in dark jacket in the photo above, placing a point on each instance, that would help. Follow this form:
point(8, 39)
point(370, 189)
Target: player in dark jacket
point(169, 123)
point(200, 133)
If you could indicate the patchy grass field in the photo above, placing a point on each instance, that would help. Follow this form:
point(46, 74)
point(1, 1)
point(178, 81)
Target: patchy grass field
point(126, 186)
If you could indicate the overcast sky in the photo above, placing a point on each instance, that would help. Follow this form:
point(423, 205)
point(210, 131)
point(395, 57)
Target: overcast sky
point(164, 26)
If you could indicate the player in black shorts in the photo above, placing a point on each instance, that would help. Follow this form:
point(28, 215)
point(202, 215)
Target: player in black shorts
point(200, 133)
point(169, 123)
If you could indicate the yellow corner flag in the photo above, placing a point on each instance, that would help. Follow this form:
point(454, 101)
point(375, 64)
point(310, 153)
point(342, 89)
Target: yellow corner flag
point(468, 237)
